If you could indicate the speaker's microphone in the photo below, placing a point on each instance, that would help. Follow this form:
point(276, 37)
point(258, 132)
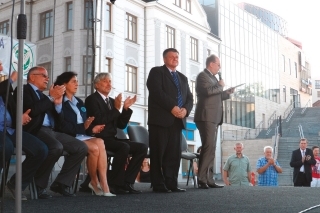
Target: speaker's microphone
point(220, 78)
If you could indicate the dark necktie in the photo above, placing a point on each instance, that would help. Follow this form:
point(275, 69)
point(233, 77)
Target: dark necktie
point(108, 103)
point(40, 94)
point(176, 82)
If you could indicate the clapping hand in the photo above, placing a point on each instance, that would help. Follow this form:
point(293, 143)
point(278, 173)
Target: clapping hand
point(117, 101)
point(129, 101)
point(88, 122)
point(98, 128)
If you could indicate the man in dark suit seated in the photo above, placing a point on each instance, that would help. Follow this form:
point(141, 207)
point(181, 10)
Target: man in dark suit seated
point(105, 110)
point(301, 160)
point(44, 110)
point(36, 151)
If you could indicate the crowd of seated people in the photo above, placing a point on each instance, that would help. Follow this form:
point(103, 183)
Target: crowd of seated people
point(60, 122)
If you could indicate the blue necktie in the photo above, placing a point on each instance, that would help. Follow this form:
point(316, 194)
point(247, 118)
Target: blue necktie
point(176, 82)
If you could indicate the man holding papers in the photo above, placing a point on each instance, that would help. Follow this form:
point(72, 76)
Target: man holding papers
point(208, 115)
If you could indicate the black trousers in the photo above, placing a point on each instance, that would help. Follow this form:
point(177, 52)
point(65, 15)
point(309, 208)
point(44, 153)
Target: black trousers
point(165, 154)
point(122, 148)
point(302, 180)
point(56, 143)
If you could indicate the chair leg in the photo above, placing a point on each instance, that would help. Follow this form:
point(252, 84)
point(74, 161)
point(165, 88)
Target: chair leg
point(76, 183)
point(33, 190)
point(4, 178)
point(190, 167)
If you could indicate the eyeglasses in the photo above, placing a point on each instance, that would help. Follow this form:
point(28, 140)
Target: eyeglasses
point(43, 75)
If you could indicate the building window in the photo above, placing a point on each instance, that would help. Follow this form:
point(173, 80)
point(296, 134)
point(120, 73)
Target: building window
point(318, 94)
point(69, 16)
point(193, 91)
point(208, 52)
point(289, 61)
point(4, 27)
point(178, 3)
point(131, 79)
point(317, 84)
point(131, 28)
point(170, 37)
point(189, 131)
point(46, 24)
point(188, 6)
point(284, 93)
point(194, 48)
point(284, 63)
point(107, 67)
point(296, 69)
point(47, 66)
point(67, 62)
point(88, 16)
point(189, 134)
point(87, 72)
point(107, 17)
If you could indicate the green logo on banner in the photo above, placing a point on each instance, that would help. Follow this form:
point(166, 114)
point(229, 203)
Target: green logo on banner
point(28, 58)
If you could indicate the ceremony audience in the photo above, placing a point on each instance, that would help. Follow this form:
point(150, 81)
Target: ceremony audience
point(45, 111)
point(236, 171)
point(144, 174)
point(268, 168)
point(74, 122)
point(301, 160)
point(316, 168)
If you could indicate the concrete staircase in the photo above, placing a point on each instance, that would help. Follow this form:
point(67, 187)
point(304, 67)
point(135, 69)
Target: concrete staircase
point(289, 141)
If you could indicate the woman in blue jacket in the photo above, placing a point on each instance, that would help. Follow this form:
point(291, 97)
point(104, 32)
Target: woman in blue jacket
point(73, 121)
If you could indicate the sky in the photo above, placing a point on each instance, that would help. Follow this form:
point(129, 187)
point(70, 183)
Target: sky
point(302, 18)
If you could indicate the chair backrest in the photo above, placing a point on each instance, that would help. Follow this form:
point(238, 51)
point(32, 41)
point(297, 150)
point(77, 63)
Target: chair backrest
point(138, 134)
point(184, 144)
point(121, 134)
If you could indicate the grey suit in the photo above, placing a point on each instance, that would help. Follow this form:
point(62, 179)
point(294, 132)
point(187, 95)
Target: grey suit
point(208, 115)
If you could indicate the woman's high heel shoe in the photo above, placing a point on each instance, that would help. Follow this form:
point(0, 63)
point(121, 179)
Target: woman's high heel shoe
point(108, 194)
point(99, 192)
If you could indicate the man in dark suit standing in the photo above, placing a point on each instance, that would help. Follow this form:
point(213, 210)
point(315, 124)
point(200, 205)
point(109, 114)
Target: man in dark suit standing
point(105, 111)
point(208, 115)
point(44, 110)
point(170, 102)
point(301, 160)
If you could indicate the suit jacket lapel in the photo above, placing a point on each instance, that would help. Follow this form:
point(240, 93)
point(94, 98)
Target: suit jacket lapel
point(167, 73)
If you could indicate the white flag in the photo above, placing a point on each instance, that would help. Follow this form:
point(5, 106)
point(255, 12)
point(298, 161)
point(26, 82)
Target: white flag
point(29, 55)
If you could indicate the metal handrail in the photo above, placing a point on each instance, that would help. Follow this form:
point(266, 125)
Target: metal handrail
point(288, 110)
point(272, 118)
point(276, 141)
point(301, 131)
point(305, 107)
point(258, 127)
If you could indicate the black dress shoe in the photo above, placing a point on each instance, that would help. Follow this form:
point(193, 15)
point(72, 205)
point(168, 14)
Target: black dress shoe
point(178, 190)
point(43, 194)
point(214, 185)
point(161, 189)
point(61, 189)
point(117, 190)
point(129, 187)
point(202, 185)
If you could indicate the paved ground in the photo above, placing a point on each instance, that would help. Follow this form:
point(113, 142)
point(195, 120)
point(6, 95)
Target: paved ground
point(227, 199)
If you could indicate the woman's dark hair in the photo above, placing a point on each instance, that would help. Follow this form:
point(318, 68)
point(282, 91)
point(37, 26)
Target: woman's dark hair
point(64, 78)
